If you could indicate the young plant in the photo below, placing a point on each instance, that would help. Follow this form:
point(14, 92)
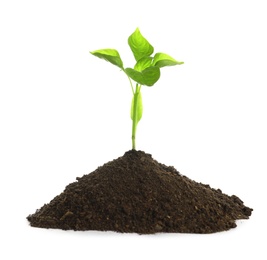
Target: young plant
point(146, 71)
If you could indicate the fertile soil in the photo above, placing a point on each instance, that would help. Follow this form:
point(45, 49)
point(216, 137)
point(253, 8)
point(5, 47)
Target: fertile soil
point(135, 193)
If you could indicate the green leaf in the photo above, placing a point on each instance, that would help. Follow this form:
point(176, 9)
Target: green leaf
point(139, 45)
point(147, 77)
point(109, 55)
point(162, 60)
point(139, 106)
point(143, 63)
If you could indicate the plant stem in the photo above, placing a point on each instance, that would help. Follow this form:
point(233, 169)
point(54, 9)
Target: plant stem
point(135, 109)
point(130, 83)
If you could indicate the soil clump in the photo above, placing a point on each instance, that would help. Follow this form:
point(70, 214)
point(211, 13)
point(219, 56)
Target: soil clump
point(135, 193)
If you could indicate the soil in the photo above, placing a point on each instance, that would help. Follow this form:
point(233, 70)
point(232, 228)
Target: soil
point(135, 193)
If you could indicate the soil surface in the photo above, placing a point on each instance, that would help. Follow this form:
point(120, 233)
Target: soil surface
point(135, 193)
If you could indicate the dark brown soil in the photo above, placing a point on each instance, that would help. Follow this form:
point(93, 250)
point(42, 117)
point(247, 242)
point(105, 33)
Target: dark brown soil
point(135, 193)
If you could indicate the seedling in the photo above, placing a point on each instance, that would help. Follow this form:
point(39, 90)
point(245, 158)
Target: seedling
point(71, 211)
point(146, 71)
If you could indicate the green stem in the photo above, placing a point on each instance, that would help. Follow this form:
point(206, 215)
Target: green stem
point(131, 85)
point(130, 81)
point(135, 119)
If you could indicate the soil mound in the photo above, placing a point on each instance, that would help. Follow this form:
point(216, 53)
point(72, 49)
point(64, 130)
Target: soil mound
point(135, 193)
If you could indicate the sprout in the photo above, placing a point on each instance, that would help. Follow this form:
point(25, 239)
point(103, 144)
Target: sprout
point(146, 71)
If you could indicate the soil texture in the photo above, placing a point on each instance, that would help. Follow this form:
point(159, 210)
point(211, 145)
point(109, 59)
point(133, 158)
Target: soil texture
point(135, 193)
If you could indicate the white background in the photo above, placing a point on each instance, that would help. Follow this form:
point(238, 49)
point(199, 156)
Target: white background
point(63, 113)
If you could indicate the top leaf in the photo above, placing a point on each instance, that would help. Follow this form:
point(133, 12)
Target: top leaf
point(162, 60)
point(109, 55)
point(139, 45)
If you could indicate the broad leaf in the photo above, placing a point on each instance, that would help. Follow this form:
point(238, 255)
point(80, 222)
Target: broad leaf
point(162, 60)
point(135, 75)
point(139, 45)
point(147, 77)
point(139, 106)
point(143, 63)
point(109, 55)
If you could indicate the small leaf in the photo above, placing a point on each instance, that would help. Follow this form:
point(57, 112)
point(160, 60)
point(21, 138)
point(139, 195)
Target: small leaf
point(147, 77)
point(139, 45)
point(109, 55)
point(135, 75)
point(139, 106)
point(151, 75)
point(162, 60)
point(143, 63)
